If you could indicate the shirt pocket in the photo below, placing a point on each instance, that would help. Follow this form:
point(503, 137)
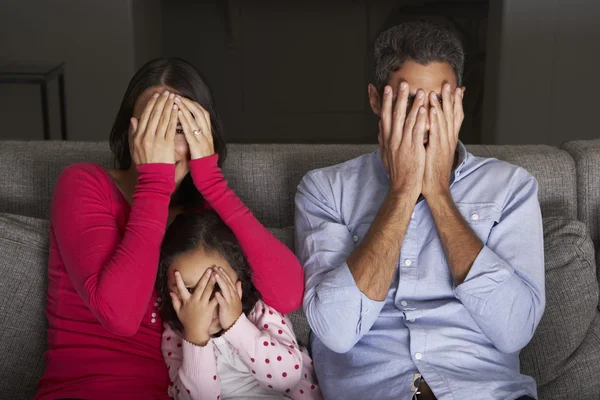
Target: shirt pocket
point(481, 217)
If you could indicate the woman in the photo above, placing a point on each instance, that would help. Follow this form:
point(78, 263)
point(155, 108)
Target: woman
point(104, 332)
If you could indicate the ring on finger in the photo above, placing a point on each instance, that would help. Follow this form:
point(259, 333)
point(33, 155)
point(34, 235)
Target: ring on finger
point(197, 132)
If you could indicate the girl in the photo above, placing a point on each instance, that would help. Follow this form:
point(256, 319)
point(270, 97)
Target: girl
point(106, 228)
point(221, 341)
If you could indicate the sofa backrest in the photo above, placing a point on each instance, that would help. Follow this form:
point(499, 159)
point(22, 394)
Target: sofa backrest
point(264, 176)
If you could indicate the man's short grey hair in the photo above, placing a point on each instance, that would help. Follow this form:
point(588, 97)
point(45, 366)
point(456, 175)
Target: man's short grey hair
point(418, 41)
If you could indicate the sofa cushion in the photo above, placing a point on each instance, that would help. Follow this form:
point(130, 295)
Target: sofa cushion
point(566, 345)
point(23, 285)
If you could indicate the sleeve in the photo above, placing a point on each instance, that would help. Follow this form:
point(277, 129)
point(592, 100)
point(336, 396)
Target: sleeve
point(277, 274)
point(192, 369)
point(112, 270)
point(338, 313)
point(267, 344)
point(504, 290)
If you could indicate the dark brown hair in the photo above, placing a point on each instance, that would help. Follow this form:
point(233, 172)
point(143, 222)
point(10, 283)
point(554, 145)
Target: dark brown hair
point(190, 231)
point(179, 75)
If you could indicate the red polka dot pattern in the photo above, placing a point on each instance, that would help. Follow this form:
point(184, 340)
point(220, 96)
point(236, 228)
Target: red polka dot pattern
point(266, 326)
point(269, 376)
point(284, 374)
point(214, 378)
point(279, 358)
point(267, 361)
point(296, 366)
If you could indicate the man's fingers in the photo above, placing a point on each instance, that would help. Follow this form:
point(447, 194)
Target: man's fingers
point(147, 112)
point(399, 114)
point(182, 290)
point(459, 114)
point(386, 113)
point(176, 302)
point(411, 118)
point(448, 106)
point(418, 133)
point(434, 126)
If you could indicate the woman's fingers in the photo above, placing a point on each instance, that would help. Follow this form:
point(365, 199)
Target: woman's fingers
point(165, 117)
point(172, 128)
point(147, 112)
point(201, 116)
point(157, 112)
point(187, 117)
point(181, 289)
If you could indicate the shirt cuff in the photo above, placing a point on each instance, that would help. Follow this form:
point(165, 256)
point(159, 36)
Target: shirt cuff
point(347, 288)
point(488, 273)
point(198, 360)
point(243, 334)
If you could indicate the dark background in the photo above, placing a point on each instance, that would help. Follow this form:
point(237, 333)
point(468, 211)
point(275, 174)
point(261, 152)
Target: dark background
point(297, 71)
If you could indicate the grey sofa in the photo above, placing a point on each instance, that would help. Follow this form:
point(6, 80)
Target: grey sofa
point(564, 355)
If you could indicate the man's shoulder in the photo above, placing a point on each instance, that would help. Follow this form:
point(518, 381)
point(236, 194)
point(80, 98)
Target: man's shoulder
point(498, 169)
point(348, 171)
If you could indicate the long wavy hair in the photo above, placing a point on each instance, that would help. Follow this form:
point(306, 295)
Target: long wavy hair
point(190, 231)
point(179, 75)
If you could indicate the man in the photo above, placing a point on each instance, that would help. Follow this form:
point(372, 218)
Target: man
point(424, 264)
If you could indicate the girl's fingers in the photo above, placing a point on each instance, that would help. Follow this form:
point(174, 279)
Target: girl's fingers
point(220, 300)
point(176, 302)
point(238, 287)
point(224, 285)
point(182, 290)
point(205, 286)
point(147, 112)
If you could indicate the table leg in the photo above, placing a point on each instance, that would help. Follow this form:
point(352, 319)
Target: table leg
point(63, 106)
point(45, 112)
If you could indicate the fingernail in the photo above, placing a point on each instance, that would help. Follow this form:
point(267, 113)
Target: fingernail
point(434, 111)
point(174, 107)
point(166, 93)
point(421, 110)
point(420, 94)
point(386, 90)
point(171, 96)
point(179, 112)
point(403, 86)
point(177, 99)
point(447, 87)
point(155, 95)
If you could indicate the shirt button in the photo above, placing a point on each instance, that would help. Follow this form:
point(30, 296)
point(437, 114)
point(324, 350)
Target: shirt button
point(156, 304)
point(404, 303)
point(153, 314)
point(153, 320)
point(355, 238)
point(407, 262)
point(475, 217)
point(412, 216)
point(418, 356)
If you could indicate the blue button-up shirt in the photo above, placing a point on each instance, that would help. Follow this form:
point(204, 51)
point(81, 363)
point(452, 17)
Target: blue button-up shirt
point(464, 340)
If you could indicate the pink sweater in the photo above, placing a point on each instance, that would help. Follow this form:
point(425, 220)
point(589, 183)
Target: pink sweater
point(104, 334)
point(258, 357)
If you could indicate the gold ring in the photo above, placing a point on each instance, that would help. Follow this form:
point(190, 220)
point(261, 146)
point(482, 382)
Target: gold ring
point(197, 132)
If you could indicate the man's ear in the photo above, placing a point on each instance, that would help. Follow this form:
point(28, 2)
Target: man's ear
point(374, 100)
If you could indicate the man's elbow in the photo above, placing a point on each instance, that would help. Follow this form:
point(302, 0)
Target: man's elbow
point(338, 343)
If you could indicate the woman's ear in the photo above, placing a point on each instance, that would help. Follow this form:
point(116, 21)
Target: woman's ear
point(374, 99)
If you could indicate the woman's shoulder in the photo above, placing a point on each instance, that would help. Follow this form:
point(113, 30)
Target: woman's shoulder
point(83, 176)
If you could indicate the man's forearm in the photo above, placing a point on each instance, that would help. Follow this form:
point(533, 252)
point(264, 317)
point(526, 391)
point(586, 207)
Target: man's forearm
point(461, 245)
point(373, 263)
